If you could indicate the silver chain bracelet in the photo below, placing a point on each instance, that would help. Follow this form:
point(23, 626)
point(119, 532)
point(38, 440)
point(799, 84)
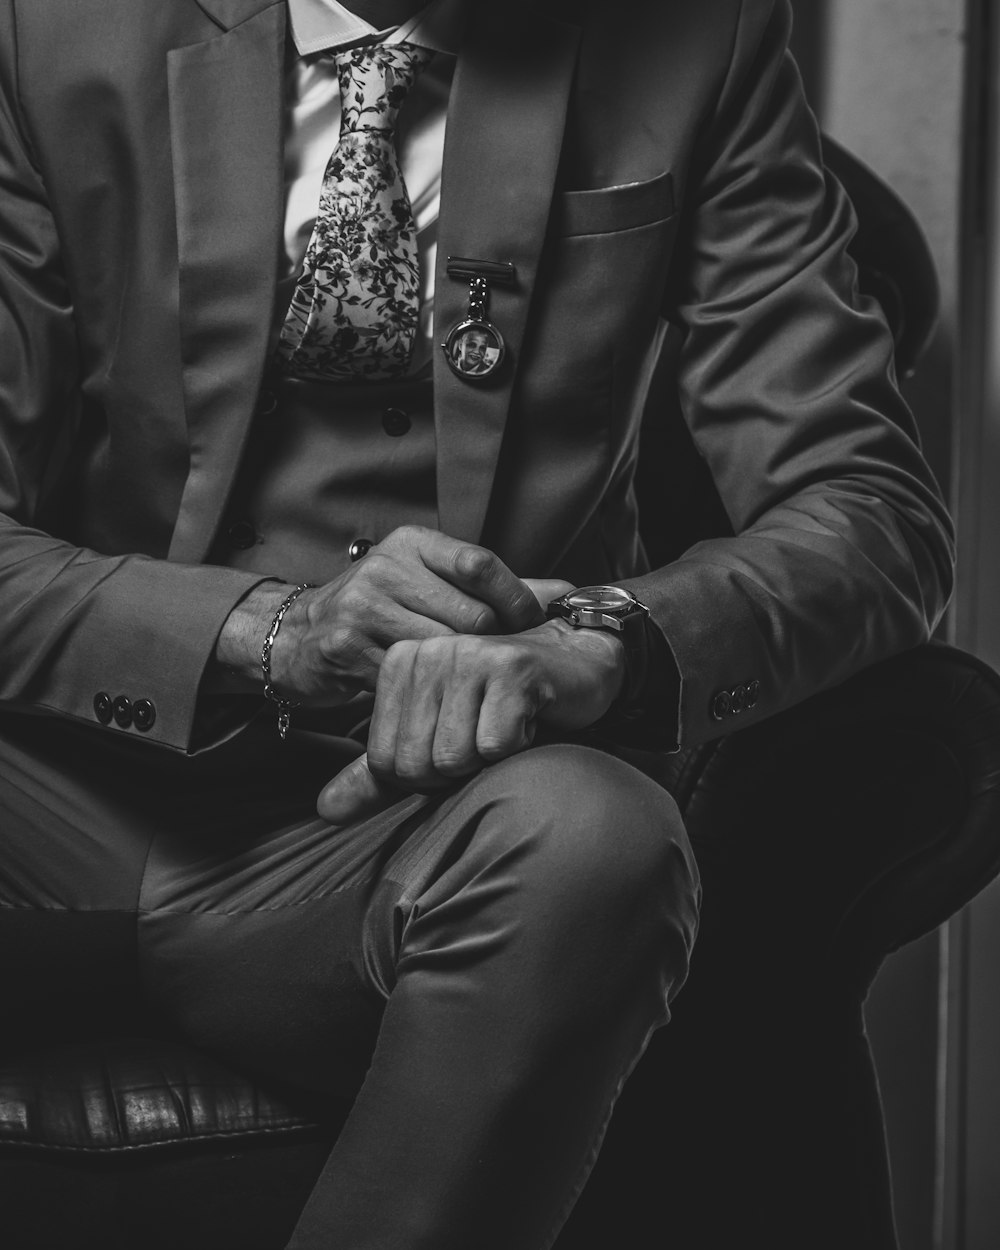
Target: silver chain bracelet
point(284, 705)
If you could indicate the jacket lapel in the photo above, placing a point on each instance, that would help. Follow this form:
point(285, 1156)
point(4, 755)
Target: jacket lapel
point(505, 126)
point(226, 139)
point(506, 118)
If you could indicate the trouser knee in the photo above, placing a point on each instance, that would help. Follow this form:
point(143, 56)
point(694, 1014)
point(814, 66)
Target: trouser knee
point(579, 864)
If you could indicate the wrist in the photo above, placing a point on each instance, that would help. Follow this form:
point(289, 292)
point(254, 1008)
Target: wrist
point(238, 647)
point(281, 698)
point(602, 649)
point(614, 612)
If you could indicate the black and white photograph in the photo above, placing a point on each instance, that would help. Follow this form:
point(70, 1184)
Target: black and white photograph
point(499, 624)
point(474, 349)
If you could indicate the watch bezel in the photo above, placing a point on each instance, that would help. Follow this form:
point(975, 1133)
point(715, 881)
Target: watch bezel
point(574, 608)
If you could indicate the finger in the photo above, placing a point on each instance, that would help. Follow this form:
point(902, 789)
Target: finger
point(402, 622)
point(454, 751)
point(545, 589)
point(416, 719)
point(393, 586)
point(354, 794)
point(439, 600)
point(391, 692)
point(390, 599)
point(482, 575)
point(506, 720)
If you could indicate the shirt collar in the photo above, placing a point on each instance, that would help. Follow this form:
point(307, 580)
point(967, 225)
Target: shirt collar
point(321, 24)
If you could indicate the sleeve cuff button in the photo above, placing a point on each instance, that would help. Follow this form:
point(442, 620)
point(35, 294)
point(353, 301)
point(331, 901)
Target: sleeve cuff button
point(103, 707)
point(741, 698)
point(722, 705)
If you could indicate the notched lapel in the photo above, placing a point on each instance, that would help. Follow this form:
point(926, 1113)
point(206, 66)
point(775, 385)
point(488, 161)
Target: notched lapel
point(506, 119)
point(226, 121)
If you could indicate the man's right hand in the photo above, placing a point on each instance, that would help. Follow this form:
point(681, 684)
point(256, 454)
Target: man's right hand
point(415, 584)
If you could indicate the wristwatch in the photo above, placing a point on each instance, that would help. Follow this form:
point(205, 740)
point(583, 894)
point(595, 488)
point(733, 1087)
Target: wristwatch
point(618, 611)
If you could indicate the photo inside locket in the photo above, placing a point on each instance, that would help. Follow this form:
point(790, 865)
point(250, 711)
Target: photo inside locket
point(475, 349)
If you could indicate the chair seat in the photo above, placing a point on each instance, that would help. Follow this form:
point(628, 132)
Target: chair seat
point(127, 1094)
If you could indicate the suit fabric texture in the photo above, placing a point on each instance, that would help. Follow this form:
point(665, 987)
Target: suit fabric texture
point(652, 173)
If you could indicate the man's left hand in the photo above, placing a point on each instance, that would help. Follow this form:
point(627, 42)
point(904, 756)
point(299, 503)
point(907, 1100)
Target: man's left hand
point(445, 707)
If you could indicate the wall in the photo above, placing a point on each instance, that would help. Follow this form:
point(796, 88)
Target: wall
point(888, 78)
point(971, 1207)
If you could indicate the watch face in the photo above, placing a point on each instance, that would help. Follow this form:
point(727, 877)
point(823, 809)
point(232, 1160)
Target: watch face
point(600, 598)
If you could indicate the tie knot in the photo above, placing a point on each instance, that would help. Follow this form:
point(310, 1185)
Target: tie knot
point(374, 81)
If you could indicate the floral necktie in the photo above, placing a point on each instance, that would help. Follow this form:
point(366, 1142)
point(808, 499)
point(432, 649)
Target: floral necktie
point(355, 310)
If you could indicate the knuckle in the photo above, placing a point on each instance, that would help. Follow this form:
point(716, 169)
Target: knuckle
point(400, 653)
point(430, 652)
point(511, 661)
point(474, 563)
point(341, 641)
point(452, 760)
point(381, 760)
point(411, 765)
point(470, 651)
point(496, 744)
point(374, 569)
point(350, 604)
point(403, 536)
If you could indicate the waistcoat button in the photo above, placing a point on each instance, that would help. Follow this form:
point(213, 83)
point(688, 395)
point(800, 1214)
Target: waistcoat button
point(241, 535)
point(267, 404)
point(360, 547)
point(395, 422)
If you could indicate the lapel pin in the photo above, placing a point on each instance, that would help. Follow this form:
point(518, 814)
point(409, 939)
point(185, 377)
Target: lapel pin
point(474, 349)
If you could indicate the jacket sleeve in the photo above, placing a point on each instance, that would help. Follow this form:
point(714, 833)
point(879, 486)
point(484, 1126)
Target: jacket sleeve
point(842, 552)
point(75, 623)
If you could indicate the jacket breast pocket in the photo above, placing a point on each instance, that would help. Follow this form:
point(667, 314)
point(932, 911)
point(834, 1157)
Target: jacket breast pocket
point(608, 210)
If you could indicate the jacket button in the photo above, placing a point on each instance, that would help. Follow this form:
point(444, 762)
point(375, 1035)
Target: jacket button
point(241, 535)
point(395, 422)
point(359, 548)
point(143, 714)
point(722, 705)
point(122, 711)
point(267, 404)
point(103, 707)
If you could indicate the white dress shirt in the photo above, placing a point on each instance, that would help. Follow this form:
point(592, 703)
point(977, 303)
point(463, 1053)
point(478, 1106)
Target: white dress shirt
point(313, 127)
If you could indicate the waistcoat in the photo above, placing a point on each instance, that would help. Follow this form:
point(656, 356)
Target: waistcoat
point(330, 470)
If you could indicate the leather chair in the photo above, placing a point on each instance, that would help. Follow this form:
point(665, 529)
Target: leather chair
point(828, 837)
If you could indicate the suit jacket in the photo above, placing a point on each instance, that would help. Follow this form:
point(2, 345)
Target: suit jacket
point(650, 169)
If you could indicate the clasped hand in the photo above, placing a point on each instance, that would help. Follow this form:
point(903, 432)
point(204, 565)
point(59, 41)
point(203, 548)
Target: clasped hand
point(462, 662)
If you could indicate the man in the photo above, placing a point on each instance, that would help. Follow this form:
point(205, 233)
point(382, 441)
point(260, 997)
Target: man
point(237, 461)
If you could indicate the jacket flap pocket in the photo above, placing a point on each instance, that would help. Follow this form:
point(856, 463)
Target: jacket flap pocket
point(609, 209)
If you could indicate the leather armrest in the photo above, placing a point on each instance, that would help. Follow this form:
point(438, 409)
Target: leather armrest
point(122, 1096)
point(858, 820)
